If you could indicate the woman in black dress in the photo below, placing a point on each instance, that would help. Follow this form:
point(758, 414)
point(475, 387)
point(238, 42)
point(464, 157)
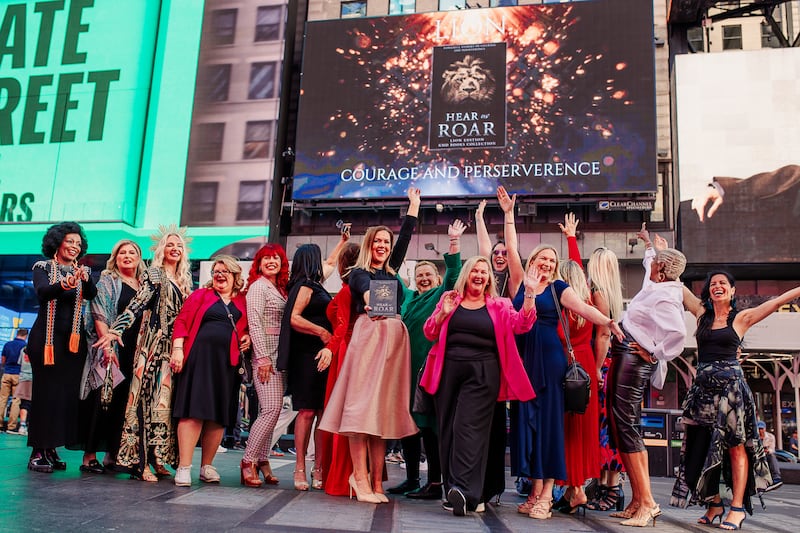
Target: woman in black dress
point(57, 344)
point(207, 341)
point(305, 330)
point(103, 410)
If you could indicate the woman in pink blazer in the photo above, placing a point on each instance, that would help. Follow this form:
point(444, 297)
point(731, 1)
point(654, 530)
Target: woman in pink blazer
point(473, 364)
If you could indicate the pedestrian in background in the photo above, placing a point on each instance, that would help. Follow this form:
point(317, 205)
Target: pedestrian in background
point(11, 363)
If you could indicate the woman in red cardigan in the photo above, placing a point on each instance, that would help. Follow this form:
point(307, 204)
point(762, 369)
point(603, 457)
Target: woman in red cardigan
point(474, 364)
point(208, 338)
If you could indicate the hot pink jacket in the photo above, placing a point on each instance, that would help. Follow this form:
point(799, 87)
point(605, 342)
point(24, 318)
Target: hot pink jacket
point(514, 382)
point(187, 323)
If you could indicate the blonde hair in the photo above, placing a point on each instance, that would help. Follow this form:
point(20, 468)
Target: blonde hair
point(429, 264)
point(111, 264)
point(469, 264)
point(536, 251)
point(673, 263)
point(365, 254)
point(603, 270)
point(232, 264)
point(572, 273)
point(183, 276)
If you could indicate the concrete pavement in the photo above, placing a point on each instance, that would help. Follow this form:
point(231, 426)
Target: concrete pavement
point(73, 502)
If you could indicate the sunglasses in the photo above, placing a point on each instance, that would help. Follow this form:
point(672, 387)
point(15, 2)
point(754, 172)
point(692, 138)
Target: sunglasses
point(500, 252)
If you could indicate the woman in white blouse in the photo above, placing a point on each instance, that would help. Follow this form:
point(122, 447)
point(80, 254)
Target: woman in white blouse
point(654, 334)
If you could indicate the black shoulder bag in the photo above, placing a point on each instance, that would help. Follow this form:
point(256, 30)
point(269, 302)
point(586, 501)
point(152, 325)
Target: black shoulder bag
point(576, 380)
point(244, 372)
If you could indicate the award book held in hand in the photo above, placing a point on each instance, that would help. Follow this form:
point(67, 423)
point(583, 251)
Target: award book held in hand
point(383, 297)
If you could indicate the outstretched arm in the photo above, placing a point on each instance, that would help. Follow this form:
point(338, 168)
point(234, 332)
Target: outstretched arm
point(484, 241)
point(750, 317)
point(570, 230)
point(516, 272)
point(330, 263)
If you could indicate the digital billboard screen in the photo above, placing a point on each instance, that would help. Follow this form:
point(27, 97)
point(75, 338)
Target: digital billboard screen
point(739, 166)
point(554, 99)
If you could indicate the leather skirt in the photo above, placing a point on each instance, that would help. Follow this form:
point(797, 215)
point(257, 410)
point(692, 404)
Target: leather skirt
point(626, 382)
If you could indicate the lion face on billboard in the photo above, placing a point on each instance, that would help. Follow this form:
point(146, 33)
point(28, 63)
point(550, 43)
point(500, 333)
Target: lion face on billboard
point(468, 80)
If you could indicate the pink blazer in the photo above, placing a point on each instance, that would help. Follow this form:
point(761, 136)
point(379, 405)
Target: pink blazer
point(514, 382)
point(187, 323)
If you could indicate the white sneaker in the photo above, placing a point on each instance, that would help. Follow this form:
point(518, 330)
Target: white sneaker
point(183, 476)
point(480, 508)
point(222, 449)
point(209, 474)
point(23, 430)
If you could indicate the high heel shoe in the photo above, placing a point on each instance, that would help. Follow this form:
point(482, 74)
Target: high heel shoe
point(266, 470)
point(608, 497)
point(300, 481)
point(542, 509)
point(627, 513)
point(730, 526)
point(562, 504)
point(643, 517)
point(706, 521)
point(161, 471)
point(368, 497)
point(527, 505)
point(382, 498)
point(249, 474)
point(316, 478)
point(39, 463)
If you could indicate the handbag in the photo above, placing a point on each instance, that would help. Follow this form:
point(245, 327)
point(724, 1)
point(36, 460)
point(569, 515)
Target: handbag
point(423, 402)
point(577, 389)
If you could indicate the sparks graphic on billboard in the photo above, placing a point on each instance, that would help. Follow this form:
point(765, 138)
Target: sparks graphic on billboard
point(545, 100)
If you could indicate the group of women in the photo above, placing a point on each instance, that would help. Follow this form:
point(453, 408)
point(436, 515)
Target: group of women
point(488, 333)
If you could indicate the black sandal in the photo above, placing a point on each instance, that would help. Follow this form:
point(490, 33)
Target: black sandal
point(93, 467)
point(609, 497)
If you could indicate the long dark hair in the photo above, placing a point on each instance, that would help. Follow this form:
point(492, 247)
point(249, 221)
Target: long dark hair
point(306, 265)
point(707, 318)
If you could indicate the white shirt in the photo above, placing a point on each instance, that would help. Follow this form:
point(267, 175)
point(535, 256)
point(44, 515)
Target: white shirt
point(654, 319)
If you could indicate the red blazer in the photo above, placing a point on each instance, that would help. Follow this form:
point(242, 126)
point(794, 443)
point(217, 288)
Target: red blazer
point(187, 323)
point(514, 382)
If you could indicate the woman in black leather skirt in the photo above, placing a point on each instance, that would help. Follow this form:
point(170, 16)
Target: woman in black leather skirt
point(654, 334)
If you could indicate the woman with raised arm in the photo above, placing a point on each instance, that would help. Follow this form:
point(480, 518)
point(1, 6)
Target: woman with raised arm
point(266, 300)
point(305, 329)
point(719, 410)
point(148, 435)
point(474, 364)
point(57, 344)
point(370, 400)
point(417, 308)
point(498, 253)
point(104, 416)
point(537, 426)
point(654, 334)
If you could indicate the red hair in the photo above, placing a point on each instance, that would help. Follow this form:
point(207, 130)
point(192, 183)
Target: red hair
point(271, 250)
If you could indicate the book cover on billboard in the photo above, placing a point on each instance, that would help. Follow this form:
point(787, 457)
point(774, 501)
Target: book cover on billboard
point(468, 104)
point(383, 297)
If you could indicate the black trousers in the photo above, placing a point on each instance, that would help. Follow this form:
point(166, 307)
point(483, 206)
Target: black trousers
point(465, 404)
point(627, 380)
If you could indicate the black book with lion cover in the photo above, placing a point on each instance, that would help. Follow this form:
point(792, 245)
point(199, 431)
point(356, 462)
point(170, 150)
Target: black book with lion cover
point(468, 101)
point(383, 297)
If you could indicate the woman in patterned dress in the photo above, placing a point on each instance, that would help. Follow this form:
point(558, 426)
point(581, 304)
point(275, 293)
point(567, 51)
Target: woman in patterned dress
point(148, 435)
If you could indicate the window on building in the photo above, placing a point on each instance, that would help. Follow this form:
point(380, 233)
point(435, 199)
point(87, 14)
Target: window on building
point(223, 26)
point(504, 3)
point(732, 37)
point(262, 80)
point(401, 7)
point(695, 38)
point(251, 200)
point(207, 141)
point(258, 139)
point(450, 5)
point(353, 9)
point(202, 201)
point(268, 23)
point(215, 82)
point(768, 39)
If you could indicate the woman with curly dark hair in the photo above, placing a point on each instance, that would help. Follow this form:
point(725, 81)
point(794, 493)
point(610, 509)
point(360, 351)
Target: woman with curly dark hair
point(57, 344)
point(722, 441)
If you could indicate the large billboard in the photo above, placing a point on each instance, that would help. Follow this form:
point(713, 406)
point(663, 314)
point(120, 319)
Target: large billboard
point(738, 158)
point(552, 99)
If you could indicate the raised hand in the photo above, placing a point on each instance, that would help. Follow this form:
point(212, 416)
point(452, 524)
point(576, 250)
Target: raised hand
point(699, 203)
point(448, 303)
point(479, 211)
point(457, 228)
point(506, 202)
point(643, 234)
point(414, 196)
point(660, 243)
point(570, 226)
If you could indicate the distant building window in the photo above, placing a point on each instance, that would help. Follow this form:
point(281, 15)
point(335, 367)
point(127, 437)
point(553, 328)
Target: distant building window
point(450, 5)
point(268, 23)
point(207, 141)
point(202, 201)
point(353, 9)
point(258, 139)
point(215, 82)
point(768, 39)
point(262, 80)
point(401, 7)
point(223, 26)
point(695, 38)
point(251, 200)
point(732, 37)
point(504, 3)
